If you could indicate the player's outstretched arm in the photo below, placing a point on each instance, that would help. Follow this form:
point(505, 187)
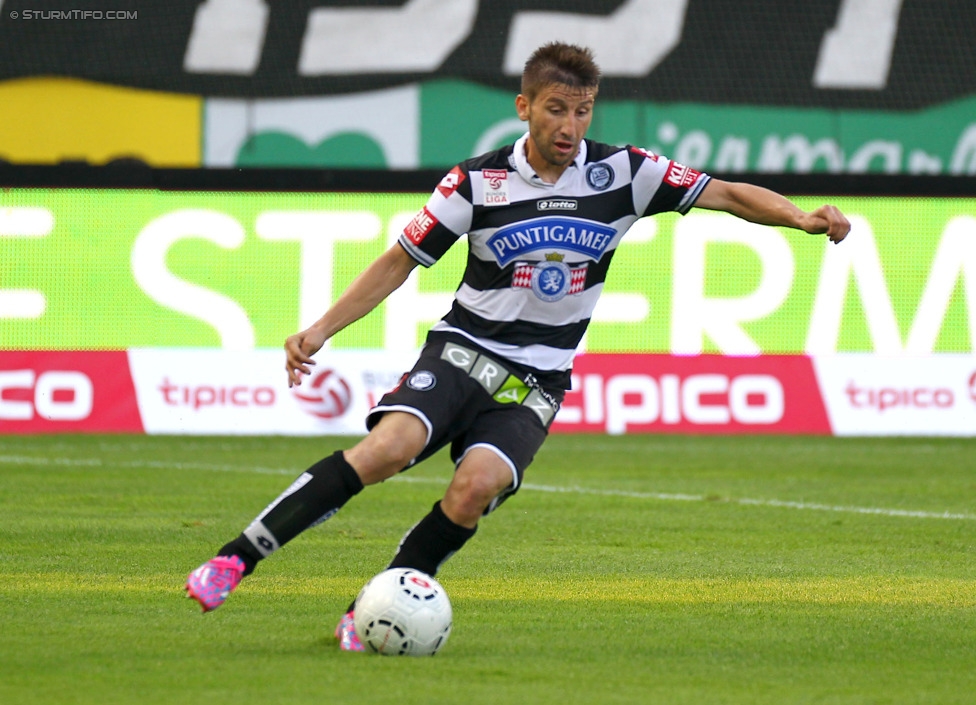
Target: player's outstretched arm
point(367, 291)
point(760, 205)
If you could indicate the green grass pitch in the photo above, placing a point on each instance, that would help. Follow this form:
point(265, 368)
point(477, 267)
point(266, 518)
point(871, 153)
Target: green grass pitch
point(640, 569)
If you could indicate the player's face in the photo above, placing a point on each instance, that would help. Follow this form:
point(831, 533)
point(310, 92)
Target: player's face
point(558, 117)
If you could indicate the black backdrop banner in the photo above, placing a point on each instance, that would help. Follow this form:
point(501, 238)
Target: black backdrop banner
point(908, 54)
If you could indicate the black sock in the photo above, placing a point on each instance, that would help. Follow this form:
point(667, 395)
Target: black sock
point(314, 497)
point(243, 549)
point(429, 544)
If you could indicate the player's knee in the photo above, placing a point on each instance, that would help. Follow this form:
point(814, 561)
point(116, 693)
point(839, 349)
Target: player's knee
point(480, 490)
point(470, 493)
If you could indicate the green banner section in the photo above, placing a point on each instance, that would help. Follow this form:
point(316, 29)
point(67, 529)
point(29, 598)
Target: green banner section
point(113, 269)
point(724, 138)
point(439, 123)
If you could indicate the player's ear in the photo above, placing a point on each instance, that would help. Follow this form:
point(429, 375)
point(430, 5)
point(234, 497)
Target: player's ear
point(522, 106)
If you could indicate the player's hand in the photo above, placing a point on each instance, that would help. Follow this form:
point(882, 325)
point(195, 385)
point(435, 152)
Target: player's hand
point(299, 349)
point(828, 220)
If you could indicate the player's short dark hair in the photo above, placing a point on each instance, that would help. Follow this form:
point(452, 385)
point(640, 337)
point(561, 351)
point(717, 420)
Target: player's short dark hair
point(556, 62)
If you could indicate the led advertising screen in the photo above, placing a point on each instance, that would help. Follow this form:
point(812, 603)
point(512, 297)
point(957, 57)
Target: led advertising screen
point(698, 314)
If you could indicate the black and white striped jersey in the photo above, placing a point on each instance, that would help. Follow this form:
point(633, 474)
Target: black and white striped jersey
point(538, 253)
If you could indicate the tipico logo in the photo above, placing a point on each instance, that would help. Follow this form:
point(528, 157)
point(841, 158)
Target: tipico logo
point(326, 395)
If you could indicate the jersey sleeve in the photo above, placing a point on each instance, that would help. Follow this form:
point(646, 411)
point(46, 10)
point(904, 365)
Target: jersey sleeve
point(661, 184)
point(442, 221)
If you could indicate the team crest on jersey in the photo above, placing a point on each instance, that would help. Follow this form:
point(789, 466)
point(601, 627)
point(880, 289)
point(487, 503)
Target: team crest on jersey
point(495, 187)
point(552, 279)
point(599, 176)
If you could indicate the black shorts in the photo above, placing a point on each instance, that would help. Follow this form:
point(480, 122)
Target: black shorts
point(468, 399)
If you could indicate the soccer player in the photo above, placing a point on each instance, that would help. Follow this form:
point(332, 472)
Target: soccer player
point(543, 218)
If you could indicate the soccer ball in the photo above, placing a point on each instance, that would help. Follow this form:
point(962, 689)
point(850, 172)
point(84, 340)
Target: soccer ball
point(403, 611)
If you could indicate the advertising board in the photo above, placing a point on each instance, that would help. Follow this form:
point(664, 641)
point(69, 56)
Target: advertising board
point(115, 269)
point(117, 306)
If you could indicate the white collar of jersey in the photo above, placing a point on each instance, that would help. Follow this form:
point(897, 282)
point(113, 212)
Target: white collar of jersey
point(526, 171)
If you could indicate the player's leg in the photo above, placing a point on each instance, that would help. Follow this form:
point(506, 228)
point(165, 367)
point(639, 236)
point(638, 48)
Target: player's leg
point(327, 485)
point(493, 443)
point(316, 495)
point(480, 477)
point(491, 458)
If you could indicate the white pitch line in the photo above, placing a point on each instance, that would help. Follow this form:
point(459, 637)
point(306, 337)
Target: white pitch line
point(162, 464)
point(809, 506)
point(555, 489)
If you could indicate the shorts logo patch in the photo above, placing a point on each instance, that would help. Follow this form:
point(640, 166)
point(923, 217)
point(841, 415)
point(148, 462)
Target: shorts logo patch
point(421, 381)
point(599, 176)
point(503, 386)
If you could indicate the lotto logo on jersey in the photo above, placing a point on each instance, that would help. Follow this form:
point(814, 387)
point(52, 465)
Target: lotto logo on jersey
point(418, 228)
point(681, 176)
point(450, 182)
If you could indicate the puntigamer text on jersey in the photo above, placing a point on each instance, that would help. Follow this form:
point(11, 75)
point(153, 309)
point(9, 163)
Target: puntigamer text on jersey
point(586, 237)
